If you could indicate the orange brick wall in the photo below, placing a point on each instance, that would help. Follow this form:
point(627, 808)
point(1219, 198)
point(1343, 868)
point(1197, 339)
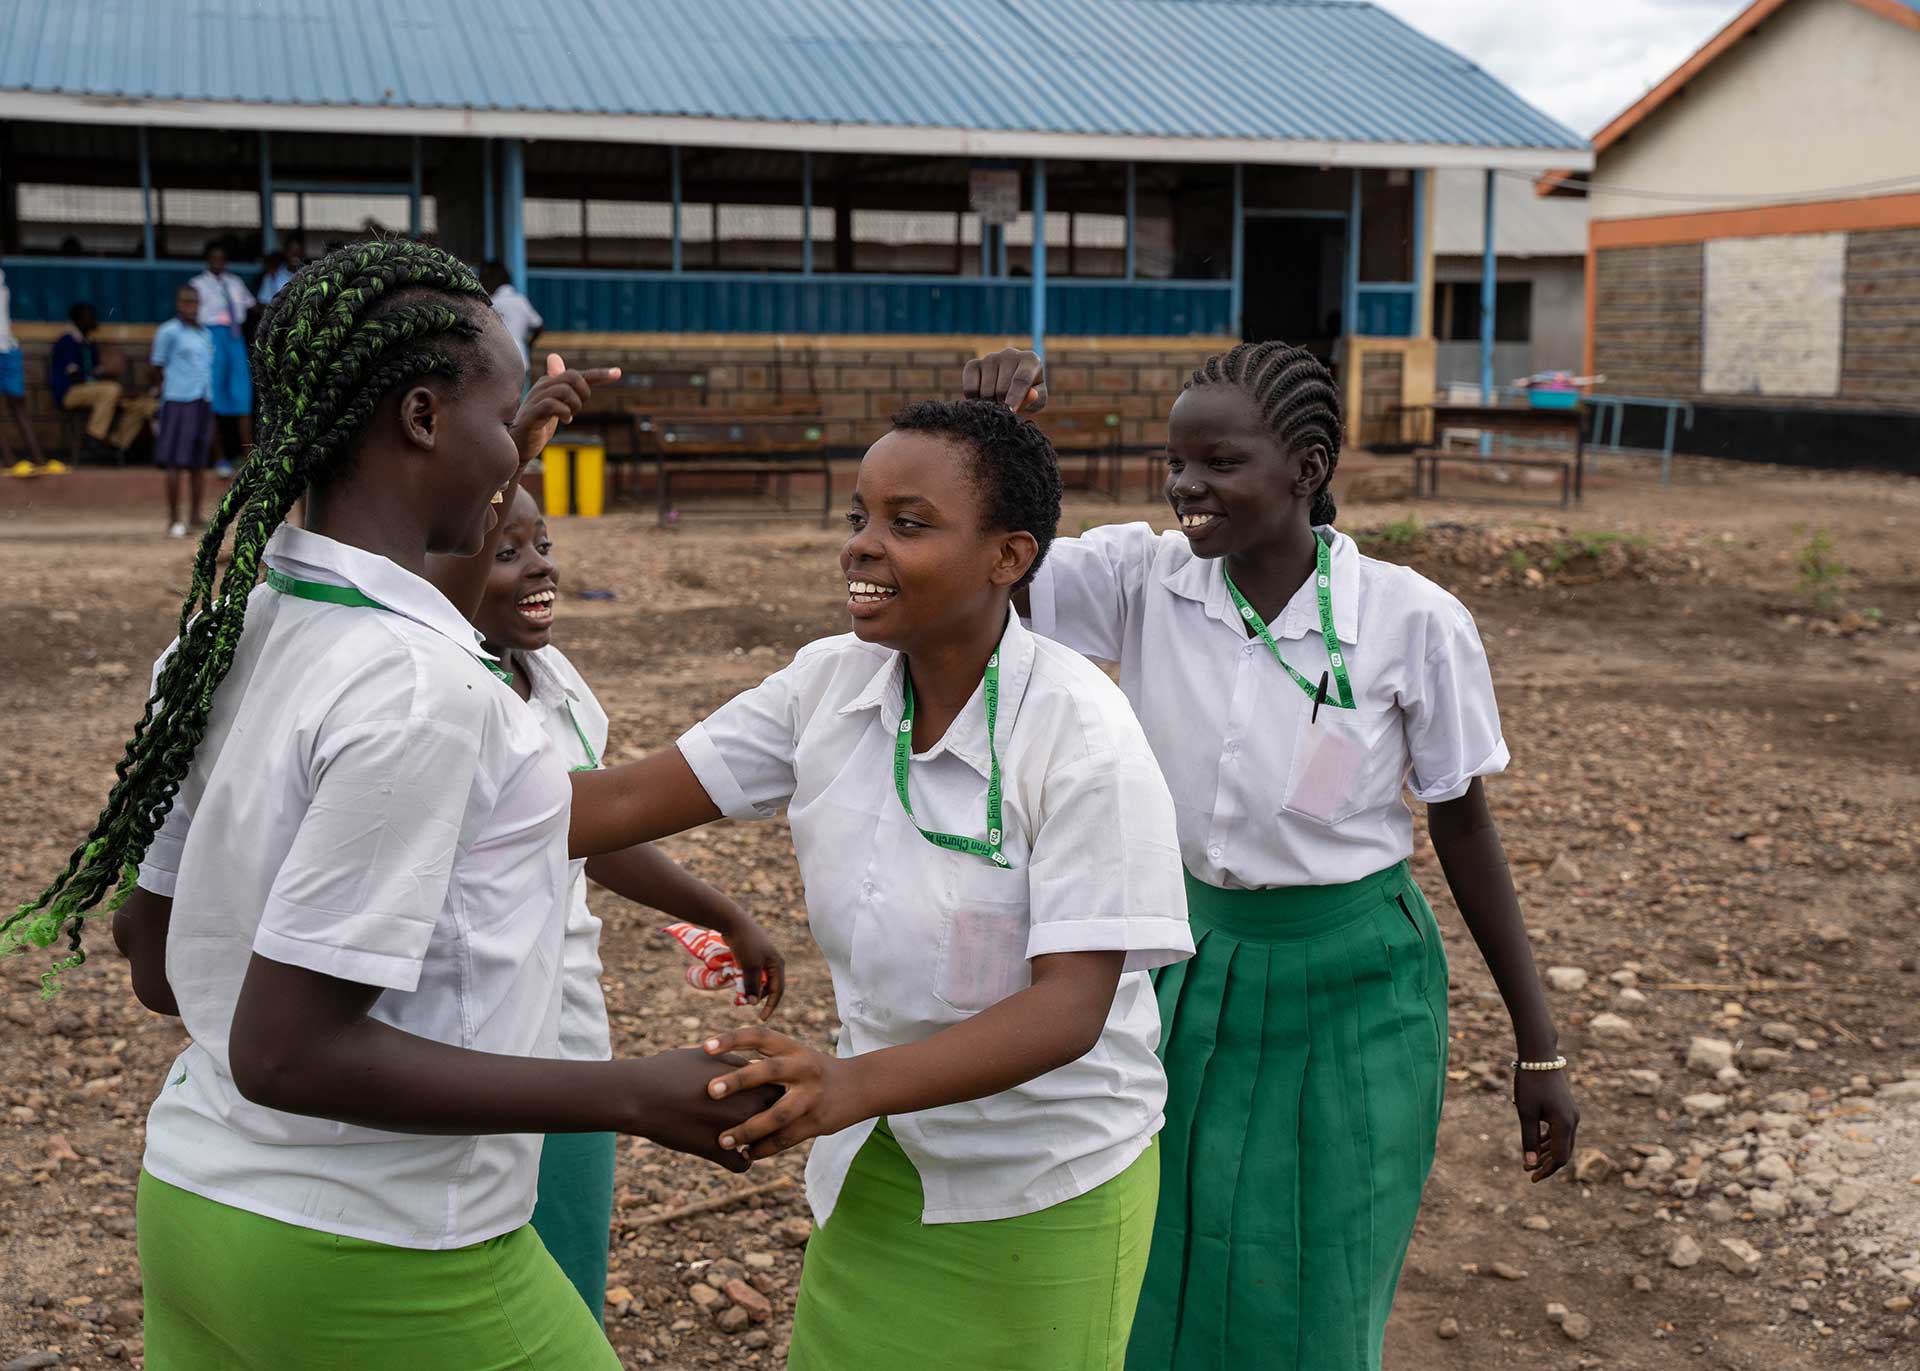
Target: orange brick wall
point(857, 382)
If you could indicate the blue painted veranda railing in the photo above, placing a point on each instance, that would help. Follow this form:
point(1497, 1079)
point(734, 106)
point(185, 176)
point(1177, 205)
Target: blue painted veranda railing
point(44, 288)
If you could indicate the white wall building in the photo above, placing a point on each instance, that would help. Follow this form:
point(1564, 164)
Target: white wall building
point(1539, 279)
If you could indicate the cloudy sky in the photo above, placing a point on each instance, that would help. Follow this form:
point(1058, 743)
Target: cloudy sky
point(1582, 61)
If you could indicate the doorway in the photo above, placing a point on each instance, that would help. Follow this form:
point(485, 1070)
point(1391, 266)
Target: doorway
point(1295, 267)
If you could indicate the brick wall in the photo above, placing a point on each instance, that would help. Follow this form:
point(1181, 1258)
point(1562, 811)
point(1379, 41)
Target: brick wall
point(1646, 318)
point(860, 382)
point(1786, 318)
point(1881, 357)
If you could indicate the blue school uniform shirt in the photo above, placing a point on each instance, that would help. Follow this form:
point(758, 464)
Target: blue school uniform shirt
point(186, 351)
point(72, 364)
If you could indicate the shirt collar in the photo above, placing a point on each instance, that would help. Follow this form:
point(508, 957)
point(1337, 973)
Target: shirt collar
point(549, 686)
point(966, 736)
point(315, 557)
point(1205, 580)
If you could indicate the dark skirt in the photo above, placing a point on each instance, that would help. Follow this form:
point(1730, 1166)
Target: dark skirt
point(185, 434)
point(574, 1216)
point(1305, 1045)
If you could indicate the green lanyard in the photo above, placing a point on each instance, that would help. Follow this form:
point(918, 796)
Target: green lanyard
point(593, 758)
point(321, 591)
point(903, 759)
point(353, 599)
point(1323, 582)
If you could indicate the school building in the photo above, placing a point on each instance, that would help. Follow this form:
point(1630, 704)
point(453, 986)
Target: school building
point(1540, 250)
point(1754, 241)
point(831, 198)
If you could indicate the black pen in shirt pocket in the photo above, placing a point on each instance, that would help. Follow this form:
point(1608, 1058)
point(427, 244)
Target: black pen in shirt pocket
point(1319, 698)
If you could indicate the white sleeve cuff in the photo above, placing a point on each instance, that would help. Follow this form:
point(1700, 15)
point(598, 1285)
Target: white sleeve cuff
point(716, 777)
point(1456, 786)
point(1150, 942)
point(1043, 610)
point(385, 970)
point(157, 880)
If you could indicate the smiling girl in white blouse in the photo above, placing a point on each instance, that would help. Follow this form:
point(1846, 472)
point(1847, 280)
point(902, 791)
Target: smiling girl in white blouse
point(991, 867)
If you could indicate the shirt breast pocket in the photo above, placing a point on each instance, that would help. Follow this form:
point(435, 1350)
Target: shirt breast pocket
point(1339, 759)
point(982, 953)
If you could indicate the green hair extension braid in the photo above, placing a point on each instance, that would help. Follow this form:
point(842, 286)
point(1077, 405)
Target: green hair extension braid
point(345, 333)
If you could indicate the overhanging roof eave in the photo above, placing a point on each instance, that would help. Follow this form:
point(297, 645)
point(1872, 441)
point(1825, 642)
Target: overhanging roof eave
point(692, 131)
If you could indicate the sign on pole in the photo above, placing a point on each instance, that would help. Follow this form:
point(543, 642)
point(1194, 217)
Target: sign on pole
point(994, 196)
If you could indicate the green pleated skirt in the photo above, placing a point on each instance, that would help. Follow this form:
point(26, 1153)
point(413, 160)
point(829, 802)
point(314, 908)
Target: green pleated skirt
point(1305, 1044)
point(1050, 1291)
point(574, 1214)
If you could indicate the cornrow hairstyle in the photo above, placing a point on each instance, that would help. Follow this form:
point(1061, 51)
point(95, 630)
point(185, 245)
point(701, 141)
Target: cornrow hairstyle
point(1013, 465)
point(1295, 397)
point(351, 328)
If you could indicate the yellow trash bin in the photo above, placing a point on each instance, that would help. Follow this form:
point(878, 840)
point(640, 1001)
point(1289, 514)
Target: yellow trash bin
point(589, 477)
point(556, 479)
point(574, 477)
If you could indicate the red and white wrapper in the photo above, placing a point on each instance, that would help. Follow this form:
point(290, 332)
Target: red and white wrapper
point(714, 967)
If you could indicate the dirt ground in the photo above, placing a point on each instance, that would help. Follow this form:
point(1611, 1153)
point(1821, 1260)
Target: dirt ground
point(1712, 814)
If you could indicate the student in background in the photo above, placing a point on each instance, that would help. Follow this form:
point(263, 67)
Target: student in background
point(291, 257)
point(224, 302)
point(183, 361)
point(523, 321)
point(75, 375)
point(13, 387)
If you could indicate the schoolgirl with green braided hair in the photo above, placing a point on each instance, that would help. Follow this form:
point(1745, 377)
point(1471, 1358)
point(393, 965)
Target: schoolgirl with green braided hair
point(351, 846)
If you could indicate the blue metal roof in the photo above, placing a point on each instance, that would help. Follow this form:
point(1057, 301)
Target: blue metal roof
point(1311, 70)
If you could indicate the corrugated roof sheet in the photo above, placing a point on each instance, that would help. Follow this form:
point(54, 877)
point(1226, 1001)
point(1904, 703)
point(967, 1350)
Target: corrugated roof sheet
point(1525, 224)
point(1323, 70)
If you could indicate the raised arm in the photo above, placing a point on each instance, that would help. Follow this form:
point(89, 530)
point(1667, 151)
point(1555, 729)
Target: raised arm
point(552, 401)
point(1016, 377)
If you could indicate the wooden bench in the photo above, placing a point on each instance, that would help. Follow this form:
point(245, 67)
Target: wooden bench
point(1426, 470)
point(764, 446)
point(1511, 421)
point(622, 407)
point(1094, 433)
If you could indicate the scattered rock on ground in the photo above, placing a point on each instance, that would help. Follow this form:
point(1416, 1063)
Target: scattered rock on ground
point(1685, 1252)
point(1709, 1055)
point(1737, 1255)
point(1612, 1026)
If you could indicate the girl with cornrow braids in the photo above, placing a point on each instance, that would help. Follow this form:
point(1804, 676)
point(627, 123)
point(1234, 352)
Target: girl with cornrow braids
point(339, 845)
point(1292, 690)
